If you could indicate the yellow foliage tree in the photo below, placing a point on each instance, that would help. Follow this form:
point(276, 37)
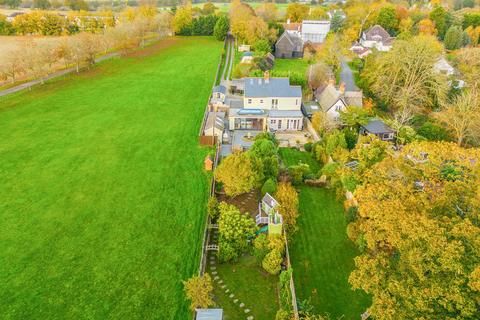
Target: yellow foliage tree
point(417, 221)
point(198, 290)
point(287, 196)
point(427, 27)
point(183, 18)
point(297, 12)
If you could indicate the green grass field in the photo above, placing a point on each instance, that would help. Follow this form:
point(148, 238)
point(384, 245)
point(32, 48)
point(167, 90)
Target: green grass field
point(322, 256)
point(291, 65)
point(291, 157)
point(102, 189)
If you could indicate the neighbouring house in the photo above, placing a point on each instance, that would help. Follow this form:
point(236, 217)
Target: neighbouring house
point(379, 128)
point(268, 104)
point(332, 100)
point(360, 50)
point(215, 124)
point(244, 48)
point(247, 57)
point(209, 314)
point(289, 45)
point(375, 37)
point(292, 26)
point(442, 66)
point(315, 31)
point(268, 215)
point(219, 94)
point(296, 36)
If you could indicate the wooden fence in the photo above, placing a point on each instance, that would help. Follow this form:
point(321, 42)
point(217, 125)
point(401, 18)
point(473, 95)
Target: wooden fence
point(207, 140)
point(292, 284)
point(206, 232)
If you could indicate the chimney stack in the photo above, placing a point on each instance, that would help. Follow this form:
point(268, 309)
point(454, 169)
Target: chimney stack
point(341, 88)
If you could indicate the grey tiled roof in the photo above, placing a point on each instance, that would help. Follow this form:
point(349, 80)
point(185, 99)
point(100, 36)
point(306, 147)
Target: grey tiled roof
point(221, 89)
point(274, 87)
point(376, 126)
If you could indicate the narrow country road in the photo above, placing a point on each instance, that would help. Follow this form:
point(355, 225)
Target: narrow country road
point(227, 59)
point(346, 76)
point(232, 58)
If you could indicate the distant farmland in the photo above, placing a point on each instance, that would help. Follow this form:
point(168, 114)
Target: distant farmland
point(102, 193)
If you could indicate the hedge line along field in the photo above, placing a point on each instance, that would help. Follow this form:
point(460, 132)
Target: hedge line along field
point(102, 192)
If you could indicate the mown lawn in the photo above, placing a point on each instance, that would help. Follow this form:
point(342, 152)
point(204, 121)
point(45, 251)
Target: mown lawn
point(102, 190)
point(291, 157)
point(291, 65)
point(251, 285)
point(322, 257)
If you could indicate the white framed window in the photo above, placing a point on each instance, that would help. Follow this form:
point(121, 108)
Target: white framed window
point(273, 121)
point(274, 103)
point(249, 101)
point(261, 101)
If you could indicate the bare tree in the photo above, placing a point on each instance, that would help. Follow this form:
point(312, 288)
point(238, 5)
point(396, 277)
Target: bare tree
point(163, 24)
point(12, 65)
point(318, 74)
point(37, 59)
point(141, 27)
point(63, 52)
point(89, 44)
point(462, 116)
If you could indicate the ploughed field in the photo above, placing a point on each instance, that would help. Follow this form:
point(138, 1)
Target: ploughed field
point(102, 189)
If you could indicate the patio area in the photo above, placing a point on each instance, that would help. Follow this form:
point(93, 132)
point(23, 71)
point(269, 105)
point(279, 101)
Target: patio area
point(244, 139)
point(292, 138)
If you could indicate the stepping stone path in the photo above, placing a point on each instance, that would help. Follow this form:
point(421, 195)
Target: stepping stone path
point(242, 305)
point(216, 278)
point(212, 262)
point(220, 282)
point(227, 291)
point(224, 286)
point(213, 268)
point(250, 318)
point(235, 301)
point(231, 296)
point(214, 272)
point(247, 310)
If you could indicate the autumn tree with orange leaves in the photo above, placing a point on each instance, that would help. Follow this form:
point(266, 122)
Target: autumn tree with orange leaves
point(418, 222)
